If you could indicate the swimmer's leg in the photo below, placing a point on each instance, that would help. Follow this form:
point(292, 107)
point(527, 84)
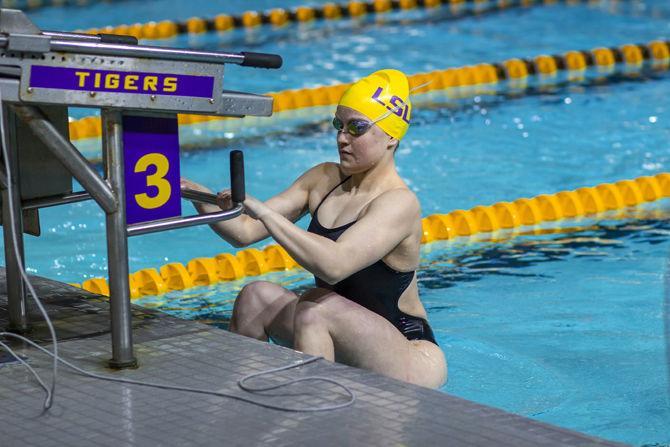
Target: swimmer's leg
point(330, 325)
point(264, 309)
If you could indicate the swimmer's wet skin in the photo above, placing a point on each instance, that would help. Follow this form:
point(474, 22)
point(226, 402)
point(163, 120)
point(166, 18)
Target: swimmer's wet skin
point(377, 287)
point(362, 246)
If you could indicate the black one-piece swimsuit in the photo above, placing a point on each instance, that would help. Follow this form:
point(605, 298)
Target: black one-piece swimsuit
point(377, 287)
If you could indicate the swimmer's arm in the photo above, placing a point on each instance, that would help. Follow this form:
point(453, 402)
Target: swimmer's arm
point(292, 204)
point(388, 221)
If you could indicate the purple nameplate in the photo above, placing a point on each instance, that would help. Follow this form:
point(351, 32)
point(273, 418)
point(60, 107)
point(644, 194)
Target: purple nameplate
point(151, 161)
point(42, 76)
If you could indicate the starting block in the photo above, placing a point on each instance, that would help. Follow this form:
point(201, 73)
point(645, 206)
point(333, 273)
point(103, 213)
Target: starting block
point(139, 90)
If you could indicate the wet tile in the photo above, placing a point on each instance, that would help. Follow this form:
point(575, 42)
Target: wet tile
point(170, 351)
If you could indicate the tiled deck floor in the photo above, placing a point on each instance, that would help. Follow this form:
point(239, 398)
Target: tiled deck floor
point(90, 412)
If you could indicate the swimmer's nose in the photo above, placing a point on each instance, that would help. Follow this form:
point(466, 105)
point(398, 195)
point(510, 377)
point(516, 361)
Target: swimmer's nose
point(342, 139)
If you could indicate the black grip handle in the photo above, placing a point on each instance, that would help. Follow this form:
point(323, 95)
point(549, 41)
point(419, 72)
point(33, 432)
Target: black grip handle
point(237, 176)
point(117, 38)
point(262, 60)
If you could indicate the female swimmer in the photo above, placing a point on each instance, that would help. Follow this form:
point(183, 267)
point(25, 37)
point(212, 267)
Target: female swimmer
point(362, 246)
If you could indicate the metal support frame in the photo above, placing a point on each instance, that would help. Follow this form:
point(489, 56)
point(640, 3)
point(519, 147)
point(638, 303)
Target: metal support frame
point(183, 222)
point(71, 158)
point(117, 243)
point(25, 52)
point(13, 231)
point(64, 199)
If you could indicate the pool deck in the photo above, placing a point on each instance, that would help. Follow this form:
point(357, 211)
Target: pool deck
point(88, 412)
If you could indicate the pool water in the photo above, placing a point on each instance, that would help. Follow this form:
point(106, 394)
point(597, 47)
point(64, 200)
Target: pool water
point(567, 328)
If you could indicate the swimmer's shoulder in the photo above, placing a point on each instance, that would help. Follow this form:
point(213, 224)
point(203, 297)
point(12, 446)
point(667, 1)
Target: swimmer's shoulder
point(321, 176)
point(401, 199)
point(331, 170)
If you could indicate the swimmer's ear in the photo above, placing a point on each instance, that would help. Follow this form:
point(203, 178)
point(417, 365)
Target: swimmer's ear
point(393, 144)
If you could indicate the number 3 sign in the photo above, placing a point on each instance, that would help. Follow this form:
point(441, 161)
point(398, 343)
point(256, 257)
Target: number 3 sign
point(151, 161)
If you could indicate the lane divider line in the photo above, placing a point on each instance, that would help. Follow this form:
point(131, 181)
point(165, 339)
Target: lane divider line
point(629, 58)
point(523, 212)
point(279, 17)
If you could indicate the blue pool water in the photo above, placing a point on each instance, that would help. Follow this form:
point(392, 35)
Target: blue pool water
point(566, 328)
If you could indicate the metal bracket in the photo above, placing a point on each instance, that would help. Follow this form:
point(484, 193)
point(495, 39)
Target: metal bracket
point(15, 21)
point(120, 82)
point(242, 104)
point(29, 43)
point(183, 222)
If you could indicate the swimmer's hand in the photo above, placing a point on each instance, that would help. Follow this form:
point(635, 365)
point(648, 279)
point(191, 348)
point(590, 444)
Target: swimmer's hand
point(224, 199)
point(255, 208)
point(251, 205)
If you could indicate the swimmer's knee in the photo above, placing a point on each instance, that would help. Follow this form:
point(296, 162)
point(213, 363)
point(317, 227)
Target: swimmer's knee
point(256, 288)
point(251, 301)
point(256, 292)
point(248, 311)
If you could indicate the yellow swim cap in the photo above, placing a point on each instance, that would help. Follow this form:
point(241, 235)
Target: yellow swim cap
point(384, 96)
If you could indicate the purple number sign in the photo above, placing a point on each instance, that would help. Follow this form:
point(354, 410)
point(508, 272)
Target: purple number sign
point(151, 161)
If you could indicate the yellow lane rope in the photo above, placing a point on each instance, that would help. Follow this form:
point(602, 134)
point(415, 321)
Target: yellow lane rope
point(279, 17)
point(524, 212)
point(629, 58)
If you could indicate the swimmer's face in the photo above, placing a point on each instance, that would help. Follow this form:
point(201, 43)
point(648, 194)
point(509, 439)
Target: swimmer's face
point(361, 153)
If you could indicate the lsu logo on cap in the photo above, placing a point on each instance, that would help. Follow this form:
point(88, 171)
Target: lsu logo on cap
point(396, 105)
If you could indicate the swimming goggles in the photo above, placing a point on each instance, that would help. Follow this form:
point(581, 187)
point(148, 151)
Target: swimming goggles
point(354, 127)
point(358, 127)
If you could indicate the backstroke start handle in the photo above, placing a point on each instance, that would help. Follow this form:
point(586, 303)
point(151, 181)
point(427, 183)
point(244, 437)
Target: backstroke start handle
point(237, 176)
point(261, 60)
